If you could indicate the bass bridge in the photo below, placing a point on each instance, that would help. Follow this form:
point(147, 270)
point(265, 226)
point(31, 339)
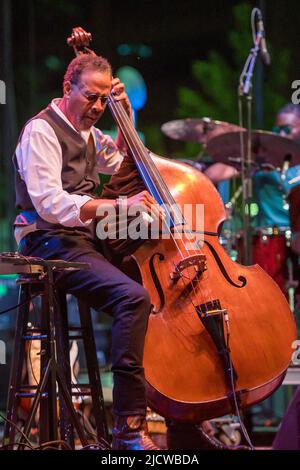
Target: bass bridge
point(197, 261)
point(210, 308)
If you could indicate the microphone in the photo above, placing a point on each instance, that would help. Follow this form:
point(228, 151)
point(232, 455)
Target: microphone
point(265, 56)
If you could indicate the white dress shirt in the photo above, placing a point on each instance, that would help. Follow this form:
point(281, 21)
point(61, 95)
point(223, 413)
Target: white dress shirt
point(39, 158)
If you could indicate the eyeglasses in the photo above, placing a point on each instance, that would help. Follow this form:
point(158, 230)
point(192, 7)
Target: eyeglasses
point(278, 129)
point(93, 97)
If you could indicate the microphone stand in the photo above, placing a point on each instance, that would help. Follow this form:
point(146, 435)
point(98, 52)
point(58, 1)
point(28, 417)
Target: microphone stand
point(245, 91)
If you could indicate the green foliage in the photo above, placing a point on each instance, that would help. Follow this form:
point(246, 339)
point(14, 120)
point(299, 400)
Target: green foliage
point(216, 79)
point(240, 39)
point(154, 138)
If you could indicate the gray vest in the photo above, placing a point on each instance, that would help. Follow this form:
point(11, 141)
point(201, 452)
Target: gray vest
point(79, 172)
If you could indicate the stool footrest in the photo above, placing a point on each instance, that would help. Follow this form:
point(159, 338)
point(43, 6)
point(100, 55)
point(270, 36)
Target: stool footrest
point(34, 337)
point(75, 337)
point(30, 395)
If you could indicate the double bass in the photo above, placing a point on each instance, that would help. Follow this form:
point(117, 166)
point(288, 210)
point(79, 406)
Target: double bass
point(220, 334)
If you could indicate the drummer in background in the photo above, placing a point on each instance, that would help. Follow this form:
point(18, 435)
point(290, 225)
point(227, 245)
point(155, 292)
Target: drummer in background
point(272, 187)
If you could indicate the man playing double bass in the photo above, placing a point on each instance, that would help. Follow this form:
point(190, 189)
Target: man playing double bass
point(57, 160)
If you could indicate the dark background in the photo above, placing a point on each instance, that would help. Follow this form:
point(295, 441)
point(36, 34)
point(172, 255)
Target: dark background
point(177, 32)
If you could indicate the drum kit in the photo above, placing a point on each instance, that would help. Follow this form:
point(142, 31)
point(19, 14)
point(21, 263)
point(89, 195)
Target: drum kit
point(275, 249)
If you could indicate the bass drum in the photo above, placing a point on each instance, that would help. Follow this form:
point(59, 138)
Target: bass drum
point(270, 251)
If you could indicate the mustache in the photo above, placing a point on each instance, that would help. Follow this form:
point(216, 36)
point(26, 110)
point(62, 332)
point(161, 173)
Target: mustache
point(94, 116)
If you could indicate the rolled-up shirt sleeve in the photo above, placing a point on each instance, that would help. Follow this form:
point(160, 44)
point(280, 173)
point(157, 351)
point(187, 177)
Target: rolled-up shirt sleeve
point(40, 164)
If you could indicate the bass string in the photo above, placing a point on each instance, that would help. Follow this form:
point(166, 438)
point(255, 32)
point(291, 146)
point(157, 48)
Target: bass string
point(133, 144)
point(136, 146)
point(132, 136)
point(146, 161)
point(207, 291)
point(136, 142)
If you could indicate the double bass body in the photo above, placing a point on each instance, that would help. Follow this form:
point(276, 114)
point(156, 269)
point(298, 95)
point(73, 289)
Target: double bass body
point(184, 372)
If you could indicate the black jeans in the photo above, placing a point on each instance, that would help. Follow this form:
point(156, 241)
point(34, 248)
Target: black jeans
point(104, 287)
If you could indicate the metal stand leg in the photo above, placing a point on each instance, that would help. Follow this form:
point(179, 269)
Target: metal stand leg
point(93, 371)
point(63, 354)
point(17, 365)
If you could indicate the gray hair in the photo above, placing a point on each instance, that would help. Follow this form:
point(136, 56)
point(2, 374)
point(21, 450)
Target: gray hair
point(85, 62)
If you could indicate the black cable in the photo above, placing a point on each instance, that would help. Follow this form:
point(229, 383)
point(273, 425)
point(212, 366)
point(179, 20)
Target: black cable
point(6, 446)
point(237, 410)
point(18, 429)
point(102, 445)
point(49, 444)
point(2, 312)
point(28, 444)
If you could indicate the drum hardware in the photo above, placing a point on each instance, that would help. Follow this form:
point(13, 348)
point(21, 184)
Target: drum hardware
point(291, 284)
point(197, 130)
point(285, 167)
point(267, 148)
point(294, 180)
point(245, 150)
point(294, 210)
point(228, 231)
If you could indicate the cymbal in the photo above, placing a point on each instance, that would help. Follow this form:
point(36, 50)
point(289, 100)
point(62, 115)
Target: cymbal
point(267, 148)
point(196, 130)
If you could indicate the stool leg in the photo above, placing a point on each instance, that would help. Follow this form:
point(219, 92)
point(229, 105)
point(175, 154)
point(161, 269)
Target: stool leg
point(17, 365)
point(63, 360)
point(48, 403)
point(93, 370)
